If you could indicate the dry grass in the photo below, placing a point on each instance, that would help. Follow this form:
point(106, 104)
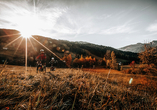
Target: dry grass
point(72, 89)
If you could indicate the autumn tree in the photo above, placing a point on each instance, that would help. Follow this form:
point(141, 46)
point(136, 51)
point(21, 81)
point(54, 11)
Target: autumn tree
point(108, 63)
point(113, 60)
point(89, 61)
point(81, 60)
point(108, 55)
point(132, 64)
point(68, 59)
point(92, 61)
point(76, 62)
point(104, 61)
point(99, 62)
point(149, 55)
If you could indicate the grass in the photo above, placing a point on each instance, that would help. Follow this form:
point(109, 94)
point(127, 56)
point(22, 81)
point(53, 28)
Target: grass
point(73, 89)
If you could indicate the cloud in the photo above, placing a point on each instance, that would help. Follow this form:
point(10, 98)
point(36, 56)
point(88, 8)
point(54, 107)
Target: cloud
point(118, 30)
point(40, 21)
point(152, 28)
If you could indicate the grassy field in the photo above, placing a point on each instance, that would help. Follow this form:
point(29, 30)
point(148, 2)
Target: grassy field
point(75, 89)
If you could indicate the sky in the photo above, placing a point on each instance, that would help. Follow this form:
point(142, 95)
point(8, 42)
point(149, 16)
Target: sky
point(114, 23)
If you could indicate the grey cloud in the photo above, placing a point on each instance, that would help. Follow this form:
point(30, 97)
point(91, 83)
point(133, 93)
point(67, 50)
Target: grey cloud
point(81, 19)
point(152, 27)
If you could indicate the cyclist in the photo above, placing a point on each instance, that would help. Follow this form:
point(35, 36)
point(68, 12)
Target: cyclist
point(41, 59)
point(52, 62)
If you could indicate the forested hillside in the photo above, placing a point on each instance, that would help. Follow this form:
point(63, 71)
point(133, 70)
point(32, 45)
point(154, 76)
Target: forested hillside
point(12, 48)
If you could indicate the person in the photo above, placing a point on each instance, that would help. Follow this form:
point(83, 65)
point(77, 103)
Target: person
point(52, 62)
point(41, 59)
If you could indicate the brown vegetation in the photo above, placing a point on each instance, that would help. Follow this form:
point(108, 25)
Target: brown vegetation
point(75, 89)
point(148, 64)
point(149, 55)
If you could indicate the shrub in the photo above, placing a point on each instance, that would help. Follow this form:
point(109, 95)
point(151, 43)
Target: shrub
point(131, 71)
point(143, 69)
point(128, 71)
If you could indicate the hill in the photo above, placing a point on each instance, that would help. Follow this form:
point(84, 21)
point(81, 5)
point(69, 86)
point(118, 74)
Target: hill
point(14, 52)
point(138, 47)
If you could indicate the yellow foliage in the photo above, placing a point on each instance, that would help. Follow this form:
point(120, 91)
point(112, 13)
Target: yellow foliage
point(104, 59)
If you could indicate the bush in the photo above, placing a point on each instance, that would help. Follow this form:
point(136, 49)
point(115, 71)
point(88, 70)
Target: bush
point(143, 69)
point(128, 71)
point(131, 71)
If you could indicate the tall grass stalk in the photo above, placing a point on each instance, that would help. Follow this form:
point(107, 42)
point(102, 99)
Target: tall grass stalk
point(105, 86)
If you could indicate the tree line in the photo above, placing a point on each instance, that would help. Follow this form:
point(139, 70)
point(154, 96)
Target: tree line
point(108, 61)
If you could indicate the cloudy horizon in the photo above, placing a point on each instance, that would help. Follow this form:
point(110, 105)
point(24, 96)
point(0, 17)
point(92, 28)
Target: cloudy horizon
point(114, 23)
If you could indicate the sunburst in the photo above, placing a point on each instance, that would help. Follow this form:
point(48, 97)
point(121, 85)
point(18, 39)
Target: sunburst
point(28, 26)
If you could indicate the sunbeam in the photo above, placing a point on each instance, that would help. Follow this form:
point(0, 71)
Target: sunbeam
point(12, 41)
point(25, 34)
point(31, 44)
point(47, 48)
point(50, 51)
point(18, 46)
point(26, 56)
point(9, 35)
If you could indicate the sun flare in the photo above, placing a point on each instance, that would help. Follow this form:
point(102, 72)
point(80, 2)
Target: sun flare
point(28, 26)
point(25, 35)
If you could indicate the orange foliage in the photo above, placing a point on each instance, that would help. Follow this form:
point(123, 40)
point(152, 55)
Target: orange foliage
point(81, 59)
point(90, 60)
point(87, 61)
point(104, 59)
point(68, 59)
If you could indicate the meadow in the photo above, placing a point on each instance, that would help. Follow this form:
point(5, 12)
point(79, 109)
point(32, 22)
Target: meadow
point(75, 89)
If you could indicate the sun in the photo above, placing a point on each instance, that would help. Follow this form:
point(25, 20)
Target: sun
point(25, 34)
point(29, 26)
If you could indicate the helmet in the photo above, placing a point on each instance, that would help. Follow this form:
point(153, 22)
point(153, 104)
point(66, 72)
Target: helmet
point(41, 50)
point(52, 58)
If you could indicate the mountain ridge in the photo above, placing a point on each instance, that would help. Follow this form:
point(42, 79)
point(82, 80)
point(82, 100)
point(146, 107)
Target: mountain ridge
point(138, 47)
point(16, 54)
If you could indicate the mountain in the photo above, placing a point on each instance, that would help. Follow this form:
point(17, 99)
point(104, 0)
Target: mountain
point(136, 48)
point(12, 48)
